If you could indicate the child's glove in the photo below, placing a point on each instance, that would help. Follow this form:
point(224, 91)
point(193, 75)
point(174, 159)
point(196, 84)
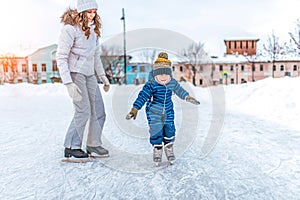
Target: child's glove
point(192, 100)
point(132, 113)
point(106, 83)
point(74, 91)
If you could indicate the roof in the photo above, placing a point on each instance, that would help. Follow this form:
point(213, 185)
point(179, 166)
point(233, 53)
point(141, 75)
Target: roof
point(241, 39)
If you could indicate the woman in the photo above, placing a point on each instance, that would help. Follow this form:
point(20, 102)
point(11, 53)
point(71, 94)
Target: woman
point(78, 60)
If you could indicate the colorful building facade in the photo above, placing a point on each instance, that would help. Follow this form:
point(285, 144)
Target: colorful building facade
point(238, 67)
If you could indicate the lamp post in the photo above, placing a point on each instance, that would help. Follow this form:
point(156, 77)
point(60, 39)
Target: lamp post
point(124, 44)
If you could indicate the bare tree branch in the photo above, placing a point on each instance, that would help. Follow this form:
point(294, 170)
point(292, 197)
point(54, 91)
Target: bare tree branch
point(195, 54)
point(296, 35)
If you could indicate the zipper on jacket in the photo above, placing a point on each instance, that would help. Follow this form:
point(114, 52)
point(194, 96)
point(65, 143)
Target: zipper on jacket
point(164, 109)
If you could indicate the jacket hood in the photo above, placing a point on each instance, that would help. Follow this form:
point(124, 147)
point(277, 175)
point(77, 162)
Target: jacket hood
point(69, 17)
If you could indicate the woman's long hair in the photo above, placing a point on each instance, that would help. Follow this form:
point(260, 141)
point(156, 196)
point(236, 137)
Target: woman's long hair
point(82, 21)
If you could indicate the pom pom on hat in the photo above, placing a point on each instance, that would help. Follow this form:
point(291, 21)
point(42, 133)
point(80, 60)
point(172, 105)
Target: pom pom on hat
point(162, 65)
point(83, 5)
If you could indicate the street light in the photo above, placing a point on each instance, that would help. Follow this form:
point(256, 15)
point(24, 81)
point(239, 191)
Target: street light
point(124, 44)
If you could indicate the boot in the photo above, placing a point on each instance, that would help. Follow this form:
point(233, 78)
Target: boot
point(77, 153)
point(157, 153)
point(169, 151)
point(98, 151)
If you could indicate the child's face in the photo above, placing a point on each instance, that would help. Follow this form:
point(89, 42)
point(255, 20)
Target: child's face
point(91, 14)
point(163, 79)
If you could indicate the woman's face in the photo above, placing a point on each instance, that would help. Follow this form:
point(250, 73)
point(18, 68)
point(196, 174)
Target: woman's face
point(91, 14)
point(163, 79)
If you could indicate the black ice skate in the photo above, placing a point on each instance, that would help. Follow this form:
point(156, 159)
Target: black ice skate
point(157, 153)
point(75, 155)
point(97, 152)
point(169, 151)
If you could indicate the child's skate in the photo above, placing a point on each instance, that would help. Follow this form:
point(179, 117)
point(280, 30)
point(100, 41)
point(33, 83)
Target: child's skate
point(157, 154)
point(169, 152)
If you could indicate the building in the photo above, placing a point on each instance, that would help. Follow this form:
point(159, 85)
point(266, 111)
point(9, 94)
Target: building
point(31, 67)
point(42, 65)
point(138, 73)
point(242, 46)
point(240, 64)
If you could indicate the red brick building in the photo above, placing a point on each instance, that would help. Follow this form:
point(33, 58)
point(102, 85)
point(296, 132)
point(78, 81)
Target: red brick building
point(240, 64)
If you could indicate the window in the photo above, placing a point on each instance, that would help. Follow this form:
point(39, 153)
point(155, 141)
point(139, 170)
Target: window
point(44, 68)
point(180, 68)
point(242, 67)
point(229, 44)
point(142, 69)
point(54, 66)
point(24, 68)
point(253, 68)
point(252, 44)
point(133, 68)
point(261, 67)
point(235, 44)
point(221, 67)
point(232, 80)
point(173, 68)
point(295, 67)
point(274, 67)
point(241, 44)
point(34, 67)
point(201, 68)
point(281, 68)
point(247, 44)
point(231, 68)
point(201, 81)
point(221, 81)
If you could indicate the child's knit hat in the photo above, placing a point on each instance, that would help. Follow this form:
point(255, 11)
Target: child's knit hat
point(83, 5)
point(162, 65)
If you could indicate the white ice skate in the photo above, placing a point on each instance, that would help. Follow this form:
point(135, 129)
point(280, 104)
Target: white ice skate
point(169, 151)
point(157, 154)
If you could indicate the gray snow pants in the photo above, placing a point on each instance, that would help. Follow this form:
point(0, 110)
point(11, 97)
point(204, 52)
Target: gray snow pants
point(91, 108)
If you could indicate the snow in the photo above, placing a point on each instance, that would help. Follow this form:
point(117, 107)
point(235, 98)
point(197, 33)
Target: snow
point(242, 142)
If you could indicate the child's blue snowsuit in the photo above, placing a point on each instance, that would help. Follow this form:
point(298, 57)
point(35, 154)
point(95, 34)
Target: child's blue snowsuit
point(159, 109)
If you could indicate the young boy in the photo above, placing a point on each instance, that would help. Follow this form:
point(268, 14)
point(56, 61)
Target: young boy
point(157, 92)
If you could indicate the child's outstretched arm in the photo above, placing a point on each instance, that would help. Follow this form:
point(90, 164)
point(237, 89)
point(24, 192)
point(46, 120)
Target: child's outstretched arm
point(192, 100)
point(143, 96)
point(183, 94)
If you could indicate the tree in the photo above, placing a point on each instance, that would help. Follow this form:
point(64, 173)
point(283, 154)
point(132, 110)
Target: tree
point(9, 64)
point(195, 55)
point(148, 55)
point(295, 37)
point(108, 52)
point(273, 49)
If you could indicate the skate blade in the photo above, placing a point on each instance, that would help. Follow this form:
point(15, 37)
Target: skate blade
point(76, 160)
point(99, 156)
point(171, 162)
point(163, 164)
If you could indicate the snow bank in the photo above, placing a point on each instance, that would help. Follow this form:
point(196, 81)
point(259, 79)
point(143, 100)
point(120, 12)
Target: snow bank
point(275, 100)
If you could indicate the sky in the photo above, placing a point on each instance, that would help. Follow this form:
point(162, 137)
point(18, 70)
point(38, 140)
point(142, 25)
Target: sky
point(255, 153)
point(34, 23)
